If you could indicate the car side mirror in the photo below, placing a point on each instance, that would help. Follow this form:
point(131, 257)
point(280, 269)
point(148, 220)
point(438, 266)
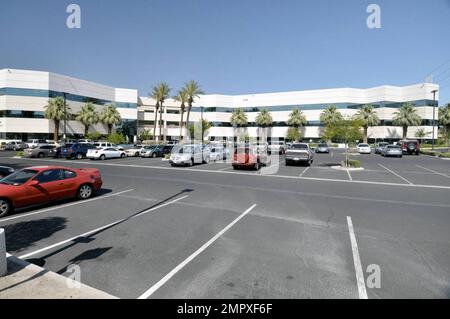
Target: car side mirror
point(33, 183)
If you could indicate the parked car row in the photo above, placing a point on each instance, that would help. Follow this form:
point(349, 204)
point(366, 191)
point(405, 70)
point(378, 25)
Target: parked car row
point(403, 147)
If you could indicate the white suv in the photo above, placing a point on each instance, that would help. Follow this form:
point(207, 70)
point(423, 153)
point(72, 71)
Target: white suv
point(107, 144)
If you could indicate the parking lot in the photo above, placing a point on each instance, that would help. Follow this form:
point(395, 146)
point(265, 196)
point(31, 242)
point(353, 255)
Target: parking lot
point(209, 231)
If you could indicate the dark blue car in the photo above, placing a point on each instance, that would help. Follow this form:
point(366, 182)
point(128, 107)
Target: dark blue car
point(76, 150)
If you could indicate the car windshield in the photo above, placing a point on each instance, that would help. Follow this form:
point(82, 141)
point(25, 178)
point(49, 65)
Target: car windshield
point(299, 146)
point(185, 149)
point(323, 145)
point(19, 177)
point(363, 145)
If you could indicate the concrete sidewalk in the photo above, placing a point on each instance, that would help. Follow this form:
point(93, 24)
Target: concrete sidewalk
point(27, 281)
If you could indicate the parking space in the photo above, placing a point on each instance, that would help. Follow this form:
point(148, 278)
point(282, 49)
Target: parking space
point(208, 231)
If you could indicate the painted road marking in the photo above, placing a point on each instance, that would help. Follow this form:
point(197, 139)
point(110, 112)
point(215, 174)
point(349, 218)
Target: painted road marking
point(396, 174)
point(357, 261)
point(303, 172)
point(167, 277)
point(100, 228)
point(65, 205)
point(252, 174)
point(433, 171)
point(349, 176)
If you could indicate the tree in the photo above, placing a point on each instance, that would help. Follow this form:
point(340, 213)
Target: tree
point(160, 93)
point(421, 133)
point(87, 116)
point(181, 97)
point(293, 134)
point(296, 120)
point(368, 117)
point(264, 120)
point(116, 138)
point(444, 120)
point(202, 127)
point(346, 130)
point(407, 116)
point(239, 119)
point(330, 115)
point(57, 110)
point(110, 117)
point(145, 135)
point(193, 91)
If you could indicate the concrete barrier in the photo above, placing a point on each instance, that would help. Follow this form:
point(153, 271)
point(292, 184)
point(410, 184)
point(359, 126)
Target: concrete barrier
point(3, 263)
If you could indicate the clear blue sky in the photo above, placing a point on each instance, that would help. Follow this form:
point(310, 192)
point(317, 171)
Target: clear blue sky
point(231, 46)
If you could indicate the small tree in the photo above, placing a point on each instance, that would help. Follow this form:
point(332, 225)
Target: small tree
point(346, 130)
point(293, 134)
point(145, 135)
point(116, 138)
point(201, 127)
point(421, 133)
point(444, 120)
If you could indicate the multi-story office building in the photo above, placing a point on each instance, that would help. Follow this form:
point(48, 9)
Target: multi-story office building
point(24, 94)
point(217, 109)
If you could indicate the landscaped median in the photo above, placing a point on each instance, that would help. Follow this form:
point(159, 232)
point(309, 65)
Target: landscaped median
point(435, 153)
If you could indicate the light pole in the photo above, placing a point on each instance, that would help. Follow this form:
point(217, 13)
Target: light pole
point(201, 126)
point(434, 111)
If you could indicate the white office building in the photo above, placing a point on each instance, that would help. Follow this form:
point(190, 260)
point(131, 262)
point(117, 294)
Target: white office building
point(24, 94)
point(217, 109)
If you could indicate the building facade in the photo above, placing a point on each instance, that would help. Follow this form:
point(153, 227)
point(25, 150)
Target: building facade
point(217, 109)
point(24, 94)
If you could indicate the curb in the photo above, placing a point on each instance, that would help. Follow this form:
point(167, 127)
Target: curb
point(29, 281)
point(350, 169)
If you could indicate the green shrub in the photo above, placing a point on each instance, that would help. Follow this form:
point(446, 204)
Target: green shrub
point(429, 152)
point(352, 163)
point(445, 154)
point(19, 154)
point(116, 138)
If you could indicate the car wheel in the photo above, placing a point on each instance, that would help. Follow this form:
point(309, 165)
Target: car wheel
point(191, 163)
point(79, 156)
point(206, 160)
point(102, 157)
point(136, 154)
point(41, 155)
point(257, 166)
point(122, 155)
point(286, 163)
point(85, 191)
point(153, 155)
point(5, 207)
point(235, 167)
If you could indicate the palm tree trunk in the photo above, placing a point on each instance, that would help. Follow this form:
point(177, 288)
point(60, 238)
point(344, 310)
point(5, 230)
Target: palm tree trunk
point(86, 130)
point(109, 129)
point(154, 126)
point(188, 114)
point(160, 121)
point(56, 131)
point(181, 124)
point(405, 132)
point(365, 134)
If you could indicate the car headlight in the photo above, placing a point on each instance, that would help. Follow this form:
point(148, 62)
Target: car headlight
point(10, 170)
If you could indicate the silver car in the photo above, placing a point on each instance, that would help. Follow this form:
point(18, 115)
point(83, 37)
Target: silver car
point(40, 151)
point(322, 148)
point(380, 146)
point(392, 150)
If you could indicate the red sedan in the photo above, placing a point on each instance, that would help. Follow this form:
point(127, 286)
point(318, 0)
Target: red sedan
point(43, 184)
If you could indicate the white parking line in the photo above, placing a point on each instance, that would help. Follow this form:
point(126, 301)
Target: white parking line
point(160, 283)
point(433, 171)
point(349, 176)
point(304, 171)
point(357, 261)
point(100, 228)
point(396, 174)
point(65, 205)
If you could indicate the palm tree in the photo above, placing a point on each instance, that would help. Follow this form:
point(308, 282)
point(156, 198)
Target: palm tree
point(160, 93)
point(239, 119)
point(368, 117)
point(87, 116)
point(181, 97)
point(331, 115)
point(110, 117)
point(407, 116)
point(264, 120)
point(193, 91)
point(57, 110)
point(444, 120)
point(296, 119)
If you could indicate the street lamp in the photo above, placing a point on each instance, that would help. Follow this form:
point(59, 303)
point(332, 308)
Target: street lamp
point(201, 126)
point(434, 111)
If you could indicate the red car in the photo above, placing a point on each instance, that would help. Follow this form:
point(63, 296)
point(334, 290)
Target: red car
point(43, 184)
